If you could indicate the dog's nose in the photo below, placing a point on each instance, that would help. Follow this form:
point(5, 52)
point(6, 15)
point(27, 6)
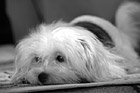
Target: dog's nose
point(42, 77)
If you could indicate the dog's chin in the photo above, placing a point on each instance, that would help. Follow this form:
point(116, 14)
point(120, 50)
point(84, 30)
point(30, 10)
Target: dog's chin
point(30, 80)
point(50, 77)
point(47, 81)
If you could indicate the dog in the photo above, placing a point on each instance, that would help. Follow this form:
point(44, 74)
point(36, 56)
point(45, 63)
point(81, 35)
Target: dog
point(87, 49)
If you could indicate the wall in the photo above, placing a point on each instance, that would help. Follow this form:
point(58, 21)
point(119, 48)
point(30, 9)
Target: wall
point(26, 14)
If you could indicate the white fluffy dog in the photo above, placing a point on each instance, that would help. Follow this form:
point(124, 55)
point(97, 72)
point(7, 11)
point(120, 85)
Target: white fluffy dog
point(88, 49)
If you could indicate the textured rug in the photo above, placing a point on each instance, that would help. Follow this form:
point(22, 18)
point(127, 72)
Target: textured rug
point(117, 86)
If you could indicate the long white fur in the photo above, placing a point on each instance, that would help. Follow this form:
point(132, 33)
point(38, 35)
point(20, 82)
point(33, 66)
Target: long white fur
point(86, 57)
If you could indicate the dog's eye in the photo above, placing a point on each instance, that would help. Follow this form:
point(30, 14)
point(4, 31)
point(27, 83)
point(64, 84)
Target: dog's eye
point(37, 59)
point(60, 58)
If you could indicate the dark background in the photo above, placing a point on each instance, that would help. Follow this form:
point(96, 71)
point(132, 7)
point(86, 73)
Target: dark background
point(6, 36)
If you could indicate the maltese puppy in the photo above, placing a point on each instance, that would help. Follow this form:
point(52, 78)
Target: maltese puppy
point(88, 49)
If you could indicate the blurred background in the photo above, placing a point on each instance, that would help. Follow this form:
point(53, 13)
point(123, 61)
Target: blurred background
point(17, 17)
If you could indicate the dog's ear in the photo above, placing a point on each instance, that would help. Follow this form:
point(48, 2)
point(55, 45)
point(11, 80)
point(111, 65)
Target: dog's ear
point(100, 63)
point(128, 22)
point(22, 61)
point(21, 69)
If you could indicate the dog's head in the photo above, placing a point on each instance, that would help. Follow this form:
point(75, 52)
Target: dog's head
point(67, 53)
